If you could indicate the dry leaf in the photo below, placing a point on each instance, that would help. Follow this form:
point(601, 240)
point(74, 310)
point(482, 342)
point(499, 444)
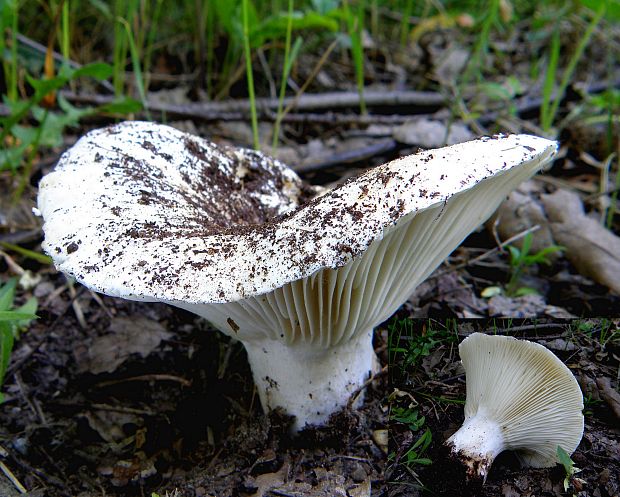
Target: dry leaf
point(609, 394)
point(269, 481)
point(136, 335)
point(518, 213)
point(508, 491)
point(593, 249)
point(380, 437)
point(361, 490)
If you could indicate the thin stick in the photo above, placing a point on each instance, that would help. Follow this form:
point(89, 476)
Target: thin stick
point(359, 389)
point(9, 474)
point(147, 377)
point(313, 101)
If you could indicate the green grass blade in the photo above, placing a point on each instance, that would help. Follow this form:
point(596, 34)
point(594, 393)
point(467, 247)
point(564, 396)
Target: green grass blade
point(249, 74)
point(285, 70)
point(474, 66)
point(135, 64)
point(12, 87)
point(12, 316)
point(119, 52)
point(554, 57)
point(355, 28)
point(7, 294)
point(572, 64)
point(6, 346)
point(404, 23)
point(30, 254)
point(150, 39)
point(65, 34)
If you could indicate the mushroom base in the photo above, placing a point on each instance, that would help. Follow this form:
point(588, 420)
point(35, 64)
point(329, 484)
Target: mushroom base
point(308, 381)
point(475, 446)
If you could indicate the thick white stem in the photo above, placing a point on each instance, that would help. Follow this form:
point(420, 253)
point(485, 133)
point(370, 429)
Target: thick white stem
point(476, 444)
point(308, 381)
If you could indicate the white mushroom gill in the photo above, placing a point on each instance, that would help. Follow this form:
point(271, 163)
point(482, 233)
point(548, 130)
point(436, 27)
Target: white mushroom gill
point(520, 397)
point(158, 215)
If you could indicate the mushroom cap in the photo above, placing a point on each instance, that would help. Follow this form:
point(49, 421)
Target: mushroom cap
point(143, 211)
point(528, 391)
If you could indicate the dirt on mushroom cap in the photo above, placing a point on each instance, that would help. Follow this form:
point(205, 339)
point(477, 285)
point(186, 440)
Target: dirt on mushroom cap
point(166, 245)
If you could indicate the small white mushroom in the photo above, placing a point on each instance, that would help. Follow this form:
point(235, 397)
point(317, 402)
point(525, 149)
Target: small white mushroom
point(520, 397)
point(146, 212)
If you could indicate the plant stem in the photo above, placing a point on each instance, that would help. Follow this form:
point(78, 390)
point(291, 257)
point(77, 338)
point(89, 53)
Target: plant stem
point(12, 85)
point(404, 24)
point(65, 32)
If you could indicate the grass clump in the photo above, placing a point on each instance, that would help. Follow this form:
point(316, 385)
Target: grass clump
point(408, 344)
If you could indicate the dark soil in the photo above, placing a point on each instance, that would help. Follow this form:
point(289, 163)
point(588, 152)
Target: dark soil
point(183, 418)
point(435, 386)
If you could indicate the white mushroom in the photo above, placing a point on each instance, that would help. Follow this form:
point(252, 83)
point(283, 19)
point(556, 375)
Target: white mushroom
point(146, 212)
point(520, 397)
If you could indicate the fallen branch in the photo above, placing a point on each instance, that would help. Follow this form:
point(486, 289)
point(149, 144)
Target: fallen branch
point(320, 101)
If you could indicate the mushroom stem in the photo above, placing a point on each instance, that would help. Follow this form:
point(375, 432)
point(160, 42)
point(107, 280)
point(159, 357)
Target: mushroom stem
point(302, 381)
point(476, 445)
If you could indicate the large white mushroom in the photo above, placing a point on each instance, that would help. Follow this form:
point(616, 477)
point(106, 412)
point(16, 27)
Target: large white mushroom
point(520, 397)
point(145, 212)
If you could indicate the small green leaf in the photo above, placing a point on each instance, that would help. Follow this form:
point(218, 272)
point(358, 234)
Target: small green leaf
point(515, 255)
point(410, 417)
point(527, 243)
point(491, 291)
point(124, 105)
point(15, 107)
point(7, 294)
point(11, 316)
point(495, 91)
point(25, 134)
point(275, 27)
point(565, 460)
point(605, 100)
point(45, 86)
point(569, 466)
point(97, 70)
point(613, 8)
point(29, 308)
point(424, 441)
point(6, 346)
point(525, 290)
